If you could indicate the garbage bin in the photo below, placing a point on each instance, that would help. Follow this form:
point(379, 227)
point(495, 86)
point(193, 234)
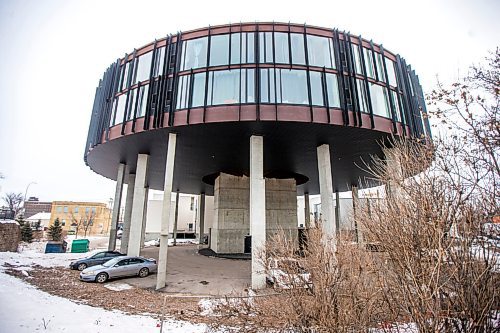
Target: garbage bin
point(80, 246)
point(55, 247)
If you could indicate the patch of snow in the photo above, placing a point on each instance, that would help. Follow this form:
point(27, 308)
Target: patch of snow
point(8, 221)
point(24, 308)
point(118, 286)
point(153, 242)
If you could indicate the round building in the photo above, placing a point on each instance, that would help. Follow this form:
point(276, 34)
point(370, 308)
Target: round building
point(253, 114)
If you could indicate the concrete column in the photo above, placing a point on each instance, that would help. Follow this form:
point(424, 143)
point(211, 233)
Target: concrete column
point(307, 211)
point(337, 213)
point(355, 203)
point(116, 207)
point(134, 243)
point(202, 219)
point(143, 229)
point(326, 192)
point(257, 210)
point(161, 277)
point(128, 212)
point(176, 217)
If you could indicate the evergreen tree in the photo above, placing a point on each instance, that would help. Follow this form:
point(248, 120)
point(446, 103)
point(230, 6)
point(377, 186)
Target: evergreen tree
point(55, 230)
point(26, 232)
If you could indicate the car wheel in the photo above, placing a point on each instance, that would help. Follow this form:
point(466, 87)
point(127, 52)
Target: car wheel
point(101, 277)
point(143, 272)
point(81, 266)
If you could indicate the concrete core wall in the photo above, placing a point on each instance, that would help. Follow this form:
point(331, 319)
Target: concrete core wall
point(231, 221)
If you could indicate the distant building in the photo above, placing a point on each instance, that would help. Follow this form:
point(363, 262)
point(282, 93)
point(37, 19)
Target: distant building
point(43, 217)
point(32, 206)
point(78, 216)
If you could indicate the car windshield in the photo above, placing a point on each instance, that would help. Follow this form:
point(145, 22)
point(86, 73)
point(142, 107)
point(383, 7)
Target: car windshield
point(111, 262)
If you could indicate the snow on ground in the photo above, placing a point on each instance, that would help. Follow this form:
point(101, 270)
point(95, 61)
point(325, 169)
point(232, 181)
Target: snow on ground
point(118, 286)
point(181, 241)
point(24, 308)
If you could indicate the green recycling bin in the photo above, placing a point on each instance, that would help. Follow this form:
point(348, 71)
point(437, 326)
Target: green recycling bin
point(80, 246)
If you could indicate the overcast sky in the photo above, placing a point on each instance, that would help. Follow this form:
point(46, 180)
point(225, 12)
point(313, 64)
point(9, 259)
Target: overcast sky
point(53, 53)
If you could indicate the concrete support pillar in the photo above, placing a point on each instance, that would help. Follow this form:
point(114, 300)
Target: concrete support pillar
point(202, 219)
point(355, 203)
point(326, 192)
point(143, 229)
point(161, 277)
point(337, 213)
point(128, 212)
point(176, 217)
point(116, 207)
point(134, 244)
point(307, 211)
point(257, 210)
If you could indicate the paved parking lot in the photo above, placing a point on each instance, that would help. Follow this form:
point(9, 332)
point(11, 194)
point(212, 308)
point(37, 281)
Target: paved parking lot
point(189, 273)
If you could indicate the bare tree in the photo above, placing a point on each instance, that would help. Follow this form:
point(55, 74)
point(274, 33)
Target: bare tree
point(13, 202)
point(82, 221)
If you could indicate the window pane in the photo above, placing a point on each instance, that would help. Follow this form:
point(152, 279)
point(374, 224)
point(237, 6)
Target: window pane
point(370, 69)
point(264, 85)
point(379, 100)
point(298, 54)
point(266, 46)
point(183, 92)
point(219, 50)
point(332, 86)
point(131, 104)
point(281, 47)
point(225, 87)
point(198, 98)
point(390, 72)
point(357, 59)
point(249, 47)
point(294, 87)
point(320, 51)
point(362, 97)
point(144, 67)
point(194, 53)
point(120, 110)
point(124, 76)
point(316, 88)
point(235, 48)
point(142, 102)
point(397, 110)
point(250, 86)
point(113, 113)
point(160, 54)
point(380, 67)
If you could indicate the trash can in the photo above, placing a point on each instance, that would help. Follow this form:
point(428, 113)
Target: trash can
point(55, 247)
point(80, 246)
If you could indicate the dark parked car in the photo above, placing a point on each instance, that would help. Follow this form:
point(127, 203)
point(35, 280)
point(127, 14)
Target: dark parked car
point(119, 267)
point(97, 259)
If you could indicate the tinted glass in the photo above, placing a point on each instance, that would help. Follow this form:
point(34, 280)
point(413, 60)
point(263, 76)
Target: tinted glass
point(219, 50)
point(120, 109)
point(194, 53)
point(183, 91)
point(320, 51)
point(159, 60)
point(98, 255)
point(235, 48)
point(198, 98)
point(281, 47)
point(224, 87)
point(266, 46)
point(316, 88)
point(379, 98)
point(298, 54)
point(357, 59)
point(370, 69)
point(142, 101)
point(391, 74)
point(397, 110)
point(144, 67)
point(294, 86)
point(362, 97)
point(380, 66)
point(333, 90)
point(131, 104)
